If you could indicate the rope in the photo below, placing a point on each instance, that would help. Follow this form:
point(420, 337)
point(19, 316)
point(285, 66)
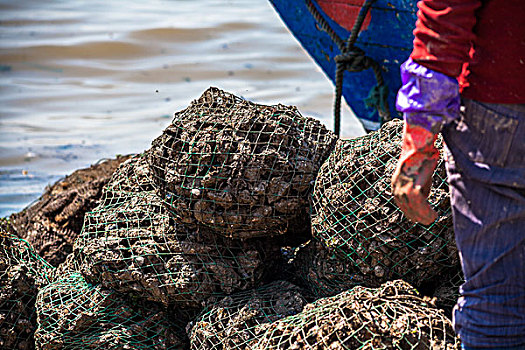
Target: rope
point(353, 59)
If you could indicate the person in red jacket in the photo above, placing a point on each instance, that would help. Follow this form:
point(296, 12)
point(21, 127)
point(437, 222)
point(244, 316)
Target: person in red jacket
point(465, 78)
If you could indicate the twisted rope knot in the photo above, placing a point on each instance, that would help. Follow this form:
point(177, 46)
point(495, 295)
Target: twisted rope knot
point(353, 60)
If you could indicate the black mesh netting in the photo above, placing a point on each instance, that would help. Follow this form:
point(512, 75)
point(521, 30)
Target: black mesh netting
point(322, 272)
point(131, 243)
point(239, 168)
point(392, 316)
point(232, 322)
point(22, 273)
point(73, 314)
point(52, 223)
point(354, 214)
point(446, 291)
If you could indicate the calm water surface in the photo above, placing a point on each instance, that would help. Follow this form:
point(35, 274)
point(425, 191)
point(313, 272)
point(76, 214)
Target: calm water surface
point(86, 80)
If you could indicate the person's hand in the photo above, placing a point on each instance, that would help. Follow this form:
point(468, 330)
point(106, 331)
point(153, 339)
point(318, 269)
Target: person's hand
point(412, 178)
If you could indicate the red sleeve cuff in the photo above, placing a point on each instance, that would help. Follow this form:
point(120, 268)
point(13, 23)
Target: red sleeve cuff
point(421, 56)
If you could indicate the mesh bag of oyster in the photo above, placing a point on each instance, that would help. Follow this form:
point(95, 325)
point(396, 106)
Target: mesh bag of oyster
point(232, 323)
point(323, 273)
point(392, 316)
point(239, 168)
point(52, 223)
point(132, 244)
point(355, 217)
point(22, 273)
point(73, 314)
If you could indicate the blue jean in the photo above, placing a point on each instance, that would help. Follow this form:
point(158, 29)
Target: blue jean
point(486, 172)
point(519, 347)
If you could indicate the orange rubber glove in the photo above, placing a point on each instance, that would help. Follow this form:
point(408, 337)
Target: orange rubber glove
point(412, 178)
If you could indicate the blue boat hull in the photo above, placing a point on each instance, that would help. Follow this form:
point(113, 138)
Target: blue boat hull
point(387, 38)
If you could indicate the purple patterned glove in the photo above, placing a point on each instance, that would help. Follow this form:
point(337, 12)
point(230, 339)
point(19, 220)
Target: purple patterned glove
point(427, 98)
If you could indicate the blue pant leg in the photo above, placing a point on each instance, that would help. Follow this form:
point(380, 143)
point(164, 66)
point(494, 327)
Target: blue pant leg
point(519, 347)
point(491, 241)
point(488, 203)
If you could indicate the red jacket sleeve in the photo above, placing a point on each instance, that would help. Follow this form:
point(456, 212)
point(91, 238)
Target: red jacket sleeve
point(443, 34)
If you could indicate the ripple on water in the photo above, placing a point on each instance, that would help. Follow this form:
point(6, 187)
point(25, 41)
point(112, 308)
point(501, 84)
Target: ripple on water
point(84, 80)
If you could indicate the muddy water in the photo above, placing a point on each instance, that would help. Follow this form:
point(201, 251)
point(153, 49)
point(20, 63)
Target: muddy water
point(84, 80)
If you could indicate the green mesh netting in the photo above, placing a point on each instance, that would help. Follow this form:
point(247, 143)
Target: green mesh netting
point(239, 168)
point(73, 314)
point(354, 214)
point(22, 273)
point(322, 272)
point(392, 316)
point(232, 322)
point(132, 244)
point(52, 223)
